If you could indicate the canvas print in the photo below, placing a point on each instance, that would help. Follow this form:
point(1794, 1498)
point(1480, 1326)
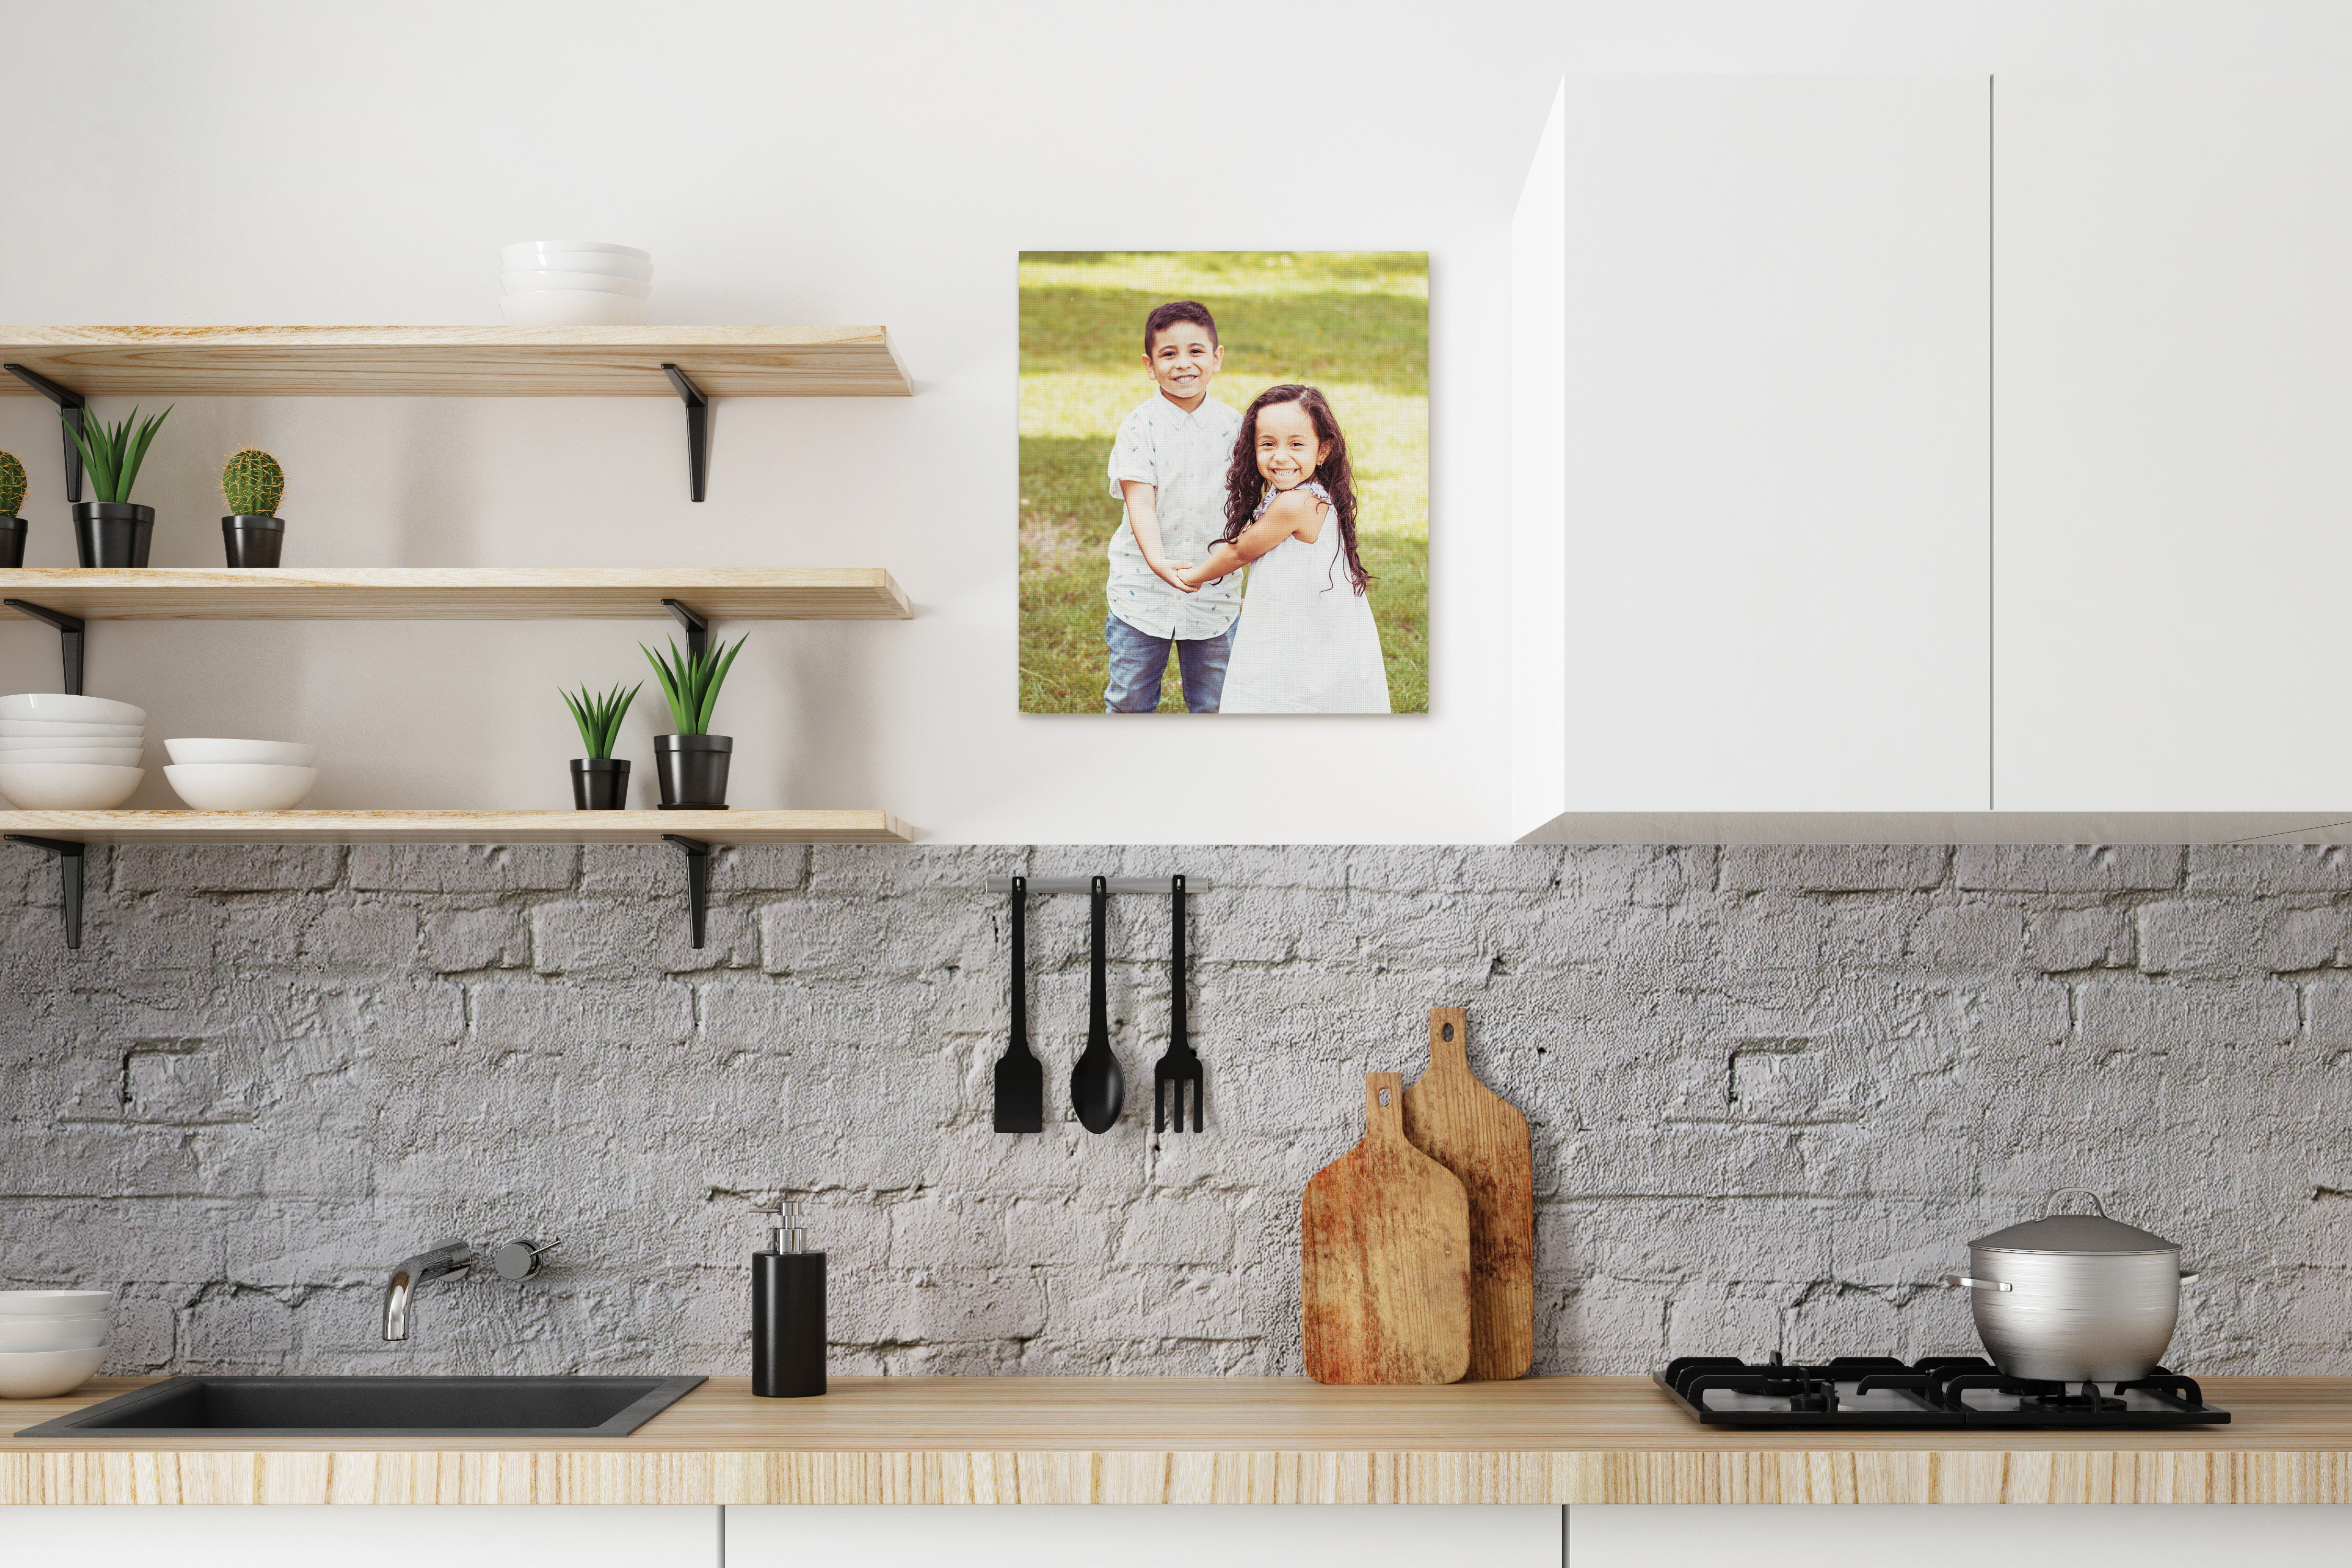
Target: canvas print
point(1224, 482)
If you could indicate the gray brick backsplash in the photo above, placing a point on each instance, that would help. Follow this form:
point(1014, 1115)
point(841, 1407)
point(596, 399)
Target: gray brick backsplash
point(1774, 1091)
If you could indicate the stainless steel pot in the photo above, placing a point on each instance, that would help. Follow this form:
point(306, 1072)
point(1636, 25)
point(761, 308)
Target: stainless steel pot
point(2073, 1298)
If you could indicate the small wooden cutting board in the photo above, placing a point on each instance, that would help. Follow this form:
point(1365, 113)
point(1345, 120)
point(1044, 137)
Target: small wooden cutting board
point(1384, 1258)
point(1479, 1136)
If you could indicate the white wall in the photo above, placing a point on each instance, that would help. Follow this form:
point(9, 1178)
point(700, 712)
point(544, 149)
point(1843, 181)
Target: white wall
point(280, 162)
point(360, 163)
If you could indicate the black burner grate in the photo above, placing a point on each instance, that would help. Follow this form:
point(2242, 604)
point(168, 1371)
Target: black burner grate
point(1934, 1392)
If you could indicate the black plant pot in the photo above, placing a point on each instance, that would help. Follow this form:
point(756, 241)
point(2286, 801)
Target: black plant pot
point(693, 771)
point(252, 540)
point(112, 532)
point(600, 784)
point(12, 541)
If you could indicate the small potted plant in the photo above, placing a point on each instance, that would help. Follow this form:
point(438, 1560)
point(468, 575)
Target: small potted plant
point(252, 483)
point(12, 496)
point(112, 530)
point(692, 764)
point(600, 782)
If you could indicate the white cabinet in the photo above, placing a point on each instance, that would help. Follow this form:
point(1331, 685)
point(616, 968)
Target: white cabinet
point(2173, 441)
point(1106, 1537)
point(1753, 538)
point(2127, 1535)
point(343, 1536)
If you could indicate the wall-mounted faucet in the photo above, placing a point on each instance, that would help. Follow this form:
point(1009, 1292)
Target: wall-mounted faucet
point(515, 1260)
point(447, 1257)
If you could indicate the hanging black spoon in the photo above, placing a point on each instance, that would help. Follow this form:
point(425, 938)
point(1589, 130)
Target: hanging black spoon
point(1097, 1086)
point(1020, 1077)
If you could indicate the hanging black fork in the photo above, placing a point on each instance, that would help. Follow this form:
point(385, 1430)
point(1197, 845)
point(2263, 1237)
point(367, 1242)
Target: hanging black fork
point(1180, 1066)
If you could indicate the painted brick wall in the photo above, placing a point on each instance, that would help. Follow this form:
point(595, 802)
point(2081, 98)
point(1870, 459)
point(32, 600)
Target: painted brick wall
point(1774, 1090)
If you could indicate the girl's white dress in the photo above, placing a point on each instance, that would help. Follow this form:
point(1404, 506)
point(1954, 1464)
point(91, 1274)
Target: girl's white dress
point(1306, 642)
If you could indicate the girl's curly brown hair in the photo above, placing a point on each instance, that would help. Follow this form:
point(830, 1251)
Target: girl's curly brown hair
point(1244, 488)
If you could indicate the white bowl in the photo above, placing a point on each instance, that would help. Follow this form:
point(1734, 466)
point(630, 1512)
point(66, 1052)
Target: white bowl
point(603, 263)
point(240, 787)
point(526, 252)
point(44, 1375)
point(53, 1303)
point(68, 786)
point(105, 756)
point(527, 283)
point(574, 307)
point(19, 1336)
point(31, 729)
point(31, 748)
point(284, 754)
point(56, 706)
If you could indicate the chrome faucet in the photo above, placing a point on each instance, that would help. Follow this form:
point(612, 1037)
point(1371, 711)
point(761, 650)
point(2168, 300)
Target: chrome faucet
point(447, 1257)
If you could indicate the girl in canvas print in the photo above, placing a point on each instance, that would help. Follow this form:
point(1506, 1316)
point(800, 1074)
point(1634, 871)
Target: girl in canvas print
point(1306, 642)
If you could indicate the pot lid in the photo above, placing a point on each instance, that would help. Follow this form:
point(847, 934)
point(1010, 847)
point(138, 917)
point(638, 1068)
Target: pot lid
point(2075, 1232)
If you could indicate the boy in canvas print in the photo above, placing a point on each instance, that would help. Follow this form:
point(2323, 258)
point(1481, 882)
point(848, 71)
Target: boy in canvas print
point(1169, 465)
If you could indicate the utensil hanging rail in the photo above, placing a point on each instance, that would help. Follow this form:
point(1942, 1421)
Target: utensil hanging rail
point(1003, 885)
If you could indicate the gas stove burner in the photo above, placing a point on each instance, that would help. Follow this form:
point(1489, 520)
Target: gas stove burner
point(1936, 1390)
point(2089, 1399)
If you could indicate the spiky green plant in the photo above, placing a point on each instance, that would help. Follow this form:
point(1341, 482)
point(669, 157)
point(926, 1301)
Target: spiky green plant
point(691, 684)
point(112, 453)
point(12, 484)
point(599, 717)
point(252, 483)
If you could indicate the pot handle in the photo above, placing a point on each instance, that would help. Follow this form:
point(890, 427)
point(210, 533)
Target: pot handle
point(1963, 1282)
point(2051, 1201)
point(2191, 1276)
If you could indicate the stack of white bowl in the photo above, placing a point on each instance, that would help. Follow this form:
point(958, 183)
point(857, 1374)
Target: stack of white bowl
point(576, 283)
point(241, 775)
point(69, 753)
point(50, 1341)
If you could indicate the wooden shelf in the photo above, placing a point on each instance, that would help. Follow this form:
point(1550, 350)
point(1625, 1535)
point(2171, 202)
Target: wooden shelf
point(459, 593)
point(458, 827)
point(455, 362)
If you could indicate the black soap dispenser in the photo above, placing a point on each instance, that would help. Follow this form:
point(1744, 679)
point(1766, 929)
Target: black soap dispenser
point(788, 1314)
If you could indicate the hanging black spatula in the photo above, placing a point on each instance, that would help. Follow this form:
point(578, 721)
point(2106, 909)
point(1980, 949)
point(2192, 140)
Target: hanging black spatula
point(1020, 1077)
point(1097, 1085)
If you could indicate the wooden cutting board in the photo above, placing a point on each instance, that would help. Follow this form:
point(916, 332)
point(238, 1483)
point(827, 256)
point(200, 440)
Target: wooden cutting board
point(1479, 1136)
point(1384, 1258)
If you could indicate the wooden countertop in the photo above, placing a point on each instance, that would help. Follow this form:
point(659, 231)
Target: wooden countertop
point(1216, 1440)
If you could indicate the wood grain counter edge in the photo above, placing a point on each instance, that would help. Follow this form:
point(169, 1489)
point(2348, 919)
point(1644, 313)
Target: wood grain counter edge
point(1605, 1443)
point(1266, 1477)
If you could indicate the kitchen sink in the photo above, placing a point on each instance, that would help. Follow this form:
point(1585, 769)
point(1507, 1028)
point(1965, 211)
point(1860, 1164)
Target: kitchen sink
point(377, 1407)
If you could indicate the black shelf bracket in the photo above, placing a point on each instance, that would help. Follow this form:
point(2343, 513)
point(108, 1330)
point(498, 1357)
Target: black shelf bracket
point(69, 863)
point(697, 629)
point(698, 428)
point(69, 639)
point(71, 404)
point(698, 879)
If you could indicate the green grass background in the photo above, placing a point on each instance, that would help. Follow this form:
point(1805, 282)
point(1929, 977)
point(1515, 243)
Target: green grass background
point(1353, 323)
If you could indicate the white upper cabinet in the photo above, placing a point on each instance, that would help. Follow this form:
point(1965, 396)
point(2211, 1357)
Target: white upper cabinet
point(1750, 546)
point(2173, 442)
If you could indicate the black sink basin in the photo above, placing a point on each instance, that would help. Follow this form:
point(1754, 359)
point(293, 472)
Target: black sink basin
point(378, 1406)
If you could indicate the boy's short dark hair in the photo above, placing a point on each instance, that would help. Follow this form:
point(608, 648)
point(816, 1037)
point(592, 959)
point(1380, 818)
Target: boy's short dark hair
point(1176, 310)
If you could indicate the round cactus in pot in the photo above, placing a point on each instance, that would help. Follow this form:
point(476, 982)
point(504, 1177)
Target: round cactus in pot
point(13, 485)
point(253, 533)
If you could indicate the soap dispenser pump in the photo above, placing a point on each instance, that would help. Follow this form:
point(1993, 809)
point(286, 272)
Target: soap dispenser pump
point(788, 1314)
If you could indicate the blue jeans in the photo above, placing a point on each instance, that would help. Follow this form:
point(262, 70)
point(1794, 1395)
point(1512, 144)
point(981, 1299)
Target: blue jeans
point(1137, 660)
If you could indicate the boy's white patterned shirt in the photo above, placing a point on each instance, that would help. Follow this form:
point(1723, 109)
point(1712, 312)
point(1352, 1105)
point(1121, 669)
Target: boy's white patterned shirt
point(1183, 457)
